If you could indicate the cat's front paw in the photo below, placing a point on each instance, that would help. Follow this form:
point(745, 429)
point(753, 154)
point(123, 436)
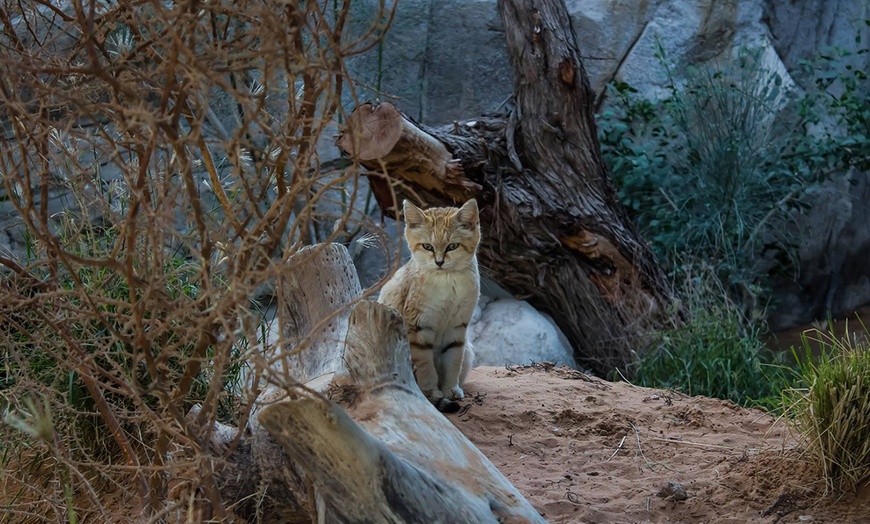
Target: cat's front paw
point(434, 396)
point(455, 393)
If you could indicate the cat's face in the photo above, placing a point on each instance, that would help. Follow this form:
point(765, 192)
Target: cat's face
point(442, 238)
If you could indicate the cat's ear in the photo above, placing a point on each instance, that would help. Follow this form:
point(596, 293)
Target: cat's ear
point(468, 215)
point(413, 214)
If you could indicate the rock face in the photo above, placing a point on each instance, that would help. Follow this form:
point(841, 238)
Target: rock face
point(834, 276)
point(800, 29)
point(444, 60)
point(441, 60)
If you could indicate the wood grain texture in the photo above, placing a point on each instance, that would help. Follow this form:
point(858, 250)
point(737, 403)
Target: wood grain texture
point(365, 445)
point(388, 455)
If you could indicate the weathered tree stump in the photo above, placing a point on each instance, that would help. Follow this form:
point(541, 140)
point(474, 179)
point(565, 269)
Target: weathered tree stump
point(351, 438)
point(553, 230)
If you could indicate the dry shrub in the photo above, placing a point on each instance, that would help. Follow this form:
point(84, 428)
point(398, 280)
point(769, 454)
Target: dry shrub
point(832, 412)
point(160, 162)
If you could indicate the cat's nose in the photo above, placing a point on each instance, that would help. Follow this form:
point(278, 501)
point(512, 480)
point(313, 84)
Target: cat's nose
point(439, 263)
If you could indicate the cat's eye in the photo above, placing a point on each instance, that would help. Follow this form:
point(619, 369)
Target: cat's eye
point(453, 246)
point(428, 247)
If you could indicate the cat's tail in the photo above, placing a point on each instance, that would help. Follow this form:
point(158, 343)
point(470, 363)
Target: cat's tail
point(445, 405)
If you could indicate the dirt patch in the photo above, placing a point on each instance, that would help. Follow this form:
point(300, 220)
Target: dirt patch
point(585, 450)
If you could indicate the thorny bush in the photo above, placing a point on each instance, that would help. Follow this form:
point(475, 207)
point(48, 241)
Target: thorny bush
point(159, 165)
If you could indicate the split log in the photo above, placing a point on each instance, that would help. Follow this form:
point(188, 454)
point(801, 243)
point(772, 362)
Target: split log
point(554, 232)
point(364, 445)
point(260, 480)
point(388, 455)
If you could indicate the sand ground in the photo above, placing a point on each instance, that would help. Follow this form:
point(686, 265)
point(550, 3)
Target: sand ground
point(589, 451)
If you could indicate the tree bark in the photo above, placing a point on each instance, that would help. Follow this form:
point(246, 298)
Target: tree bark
point(348, 436)
point(554, 232)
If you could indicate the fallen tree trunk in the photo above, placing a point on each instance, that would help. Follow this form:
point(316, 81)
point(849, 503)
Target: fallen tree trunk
point(553, 230)
point(344, 433)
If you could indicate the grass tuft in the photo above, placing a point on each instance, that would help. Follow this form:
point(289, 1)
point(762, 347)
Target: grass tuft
point(831, 412)
point(717, 353)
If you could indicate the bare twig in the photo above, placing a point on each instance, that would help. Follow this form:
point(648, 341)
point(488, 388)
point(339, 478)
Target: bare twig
point(129, 186)
point(639, 448)
point(615, 451)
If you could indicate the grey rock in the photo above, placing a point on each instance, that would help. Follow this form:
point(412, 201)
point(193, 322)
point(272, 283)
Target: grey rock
point(398, 64)
point(608, 31)
point(508, 332)
point(380, 252)
point(801, 29)
point(834, 255)
point(673, 490)
point(466, 70)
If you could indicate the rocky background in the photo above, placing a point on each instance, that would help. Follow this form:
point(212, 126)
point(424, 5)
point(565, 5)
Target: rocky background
point(445, 60)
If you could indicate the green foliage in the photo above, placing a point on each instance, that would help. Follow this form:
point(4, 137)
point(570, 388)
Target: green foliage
point(717, 353)
point(701, 170)
point(831, 411)
point(715, 174)
point(38, 358)
point(840, 106)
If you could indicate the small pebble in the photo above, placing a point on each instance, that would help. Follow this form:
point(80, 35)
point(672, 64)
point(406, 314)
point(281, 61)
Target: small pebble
point(673, 491)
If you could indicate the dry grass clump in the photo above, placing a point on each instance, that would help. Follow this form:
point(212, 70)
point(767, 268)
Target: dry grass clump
point(832, 413)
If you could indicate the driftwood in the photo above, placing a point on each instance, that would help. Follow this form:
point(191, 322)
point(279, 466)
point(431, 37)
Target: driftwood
point(351, 438)
point(553, 230)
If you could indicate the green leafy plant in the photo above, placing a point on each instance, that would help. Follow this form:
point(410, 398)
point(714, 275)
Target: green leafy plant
point(702, 170)
point(830, 410)
point(839, 108)
point(716, 353)
point(715, 174)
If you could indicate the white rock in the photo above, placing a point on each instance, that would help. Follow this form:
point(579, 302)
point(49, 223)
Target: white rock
point(509, 331)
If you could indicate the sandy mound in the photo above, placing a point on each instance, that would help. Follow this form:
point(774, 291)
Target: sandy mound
point(583, 450)
point(586, 450)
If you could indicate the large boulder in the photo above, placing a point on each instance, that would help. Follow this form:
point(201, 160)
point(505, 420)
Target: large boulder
point(834, 256)
point(510, 332)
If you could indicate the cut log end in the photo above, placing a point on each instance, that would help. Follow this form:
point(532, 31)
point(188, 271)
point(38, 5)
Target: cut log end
point(372, 131)
point(394, 148)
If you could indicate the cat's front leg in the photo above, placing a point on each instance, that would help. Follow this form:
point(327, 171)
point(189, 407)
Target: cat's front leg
point(451, 363)
point(423, 359)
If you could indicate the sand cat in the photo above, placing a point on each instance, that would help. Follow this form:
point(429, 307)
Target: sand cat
point(435, 292)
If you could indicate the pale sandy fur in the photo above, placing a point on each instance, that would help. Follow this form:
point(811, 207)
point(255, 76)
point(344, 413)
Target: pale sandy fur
point(435, 302)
